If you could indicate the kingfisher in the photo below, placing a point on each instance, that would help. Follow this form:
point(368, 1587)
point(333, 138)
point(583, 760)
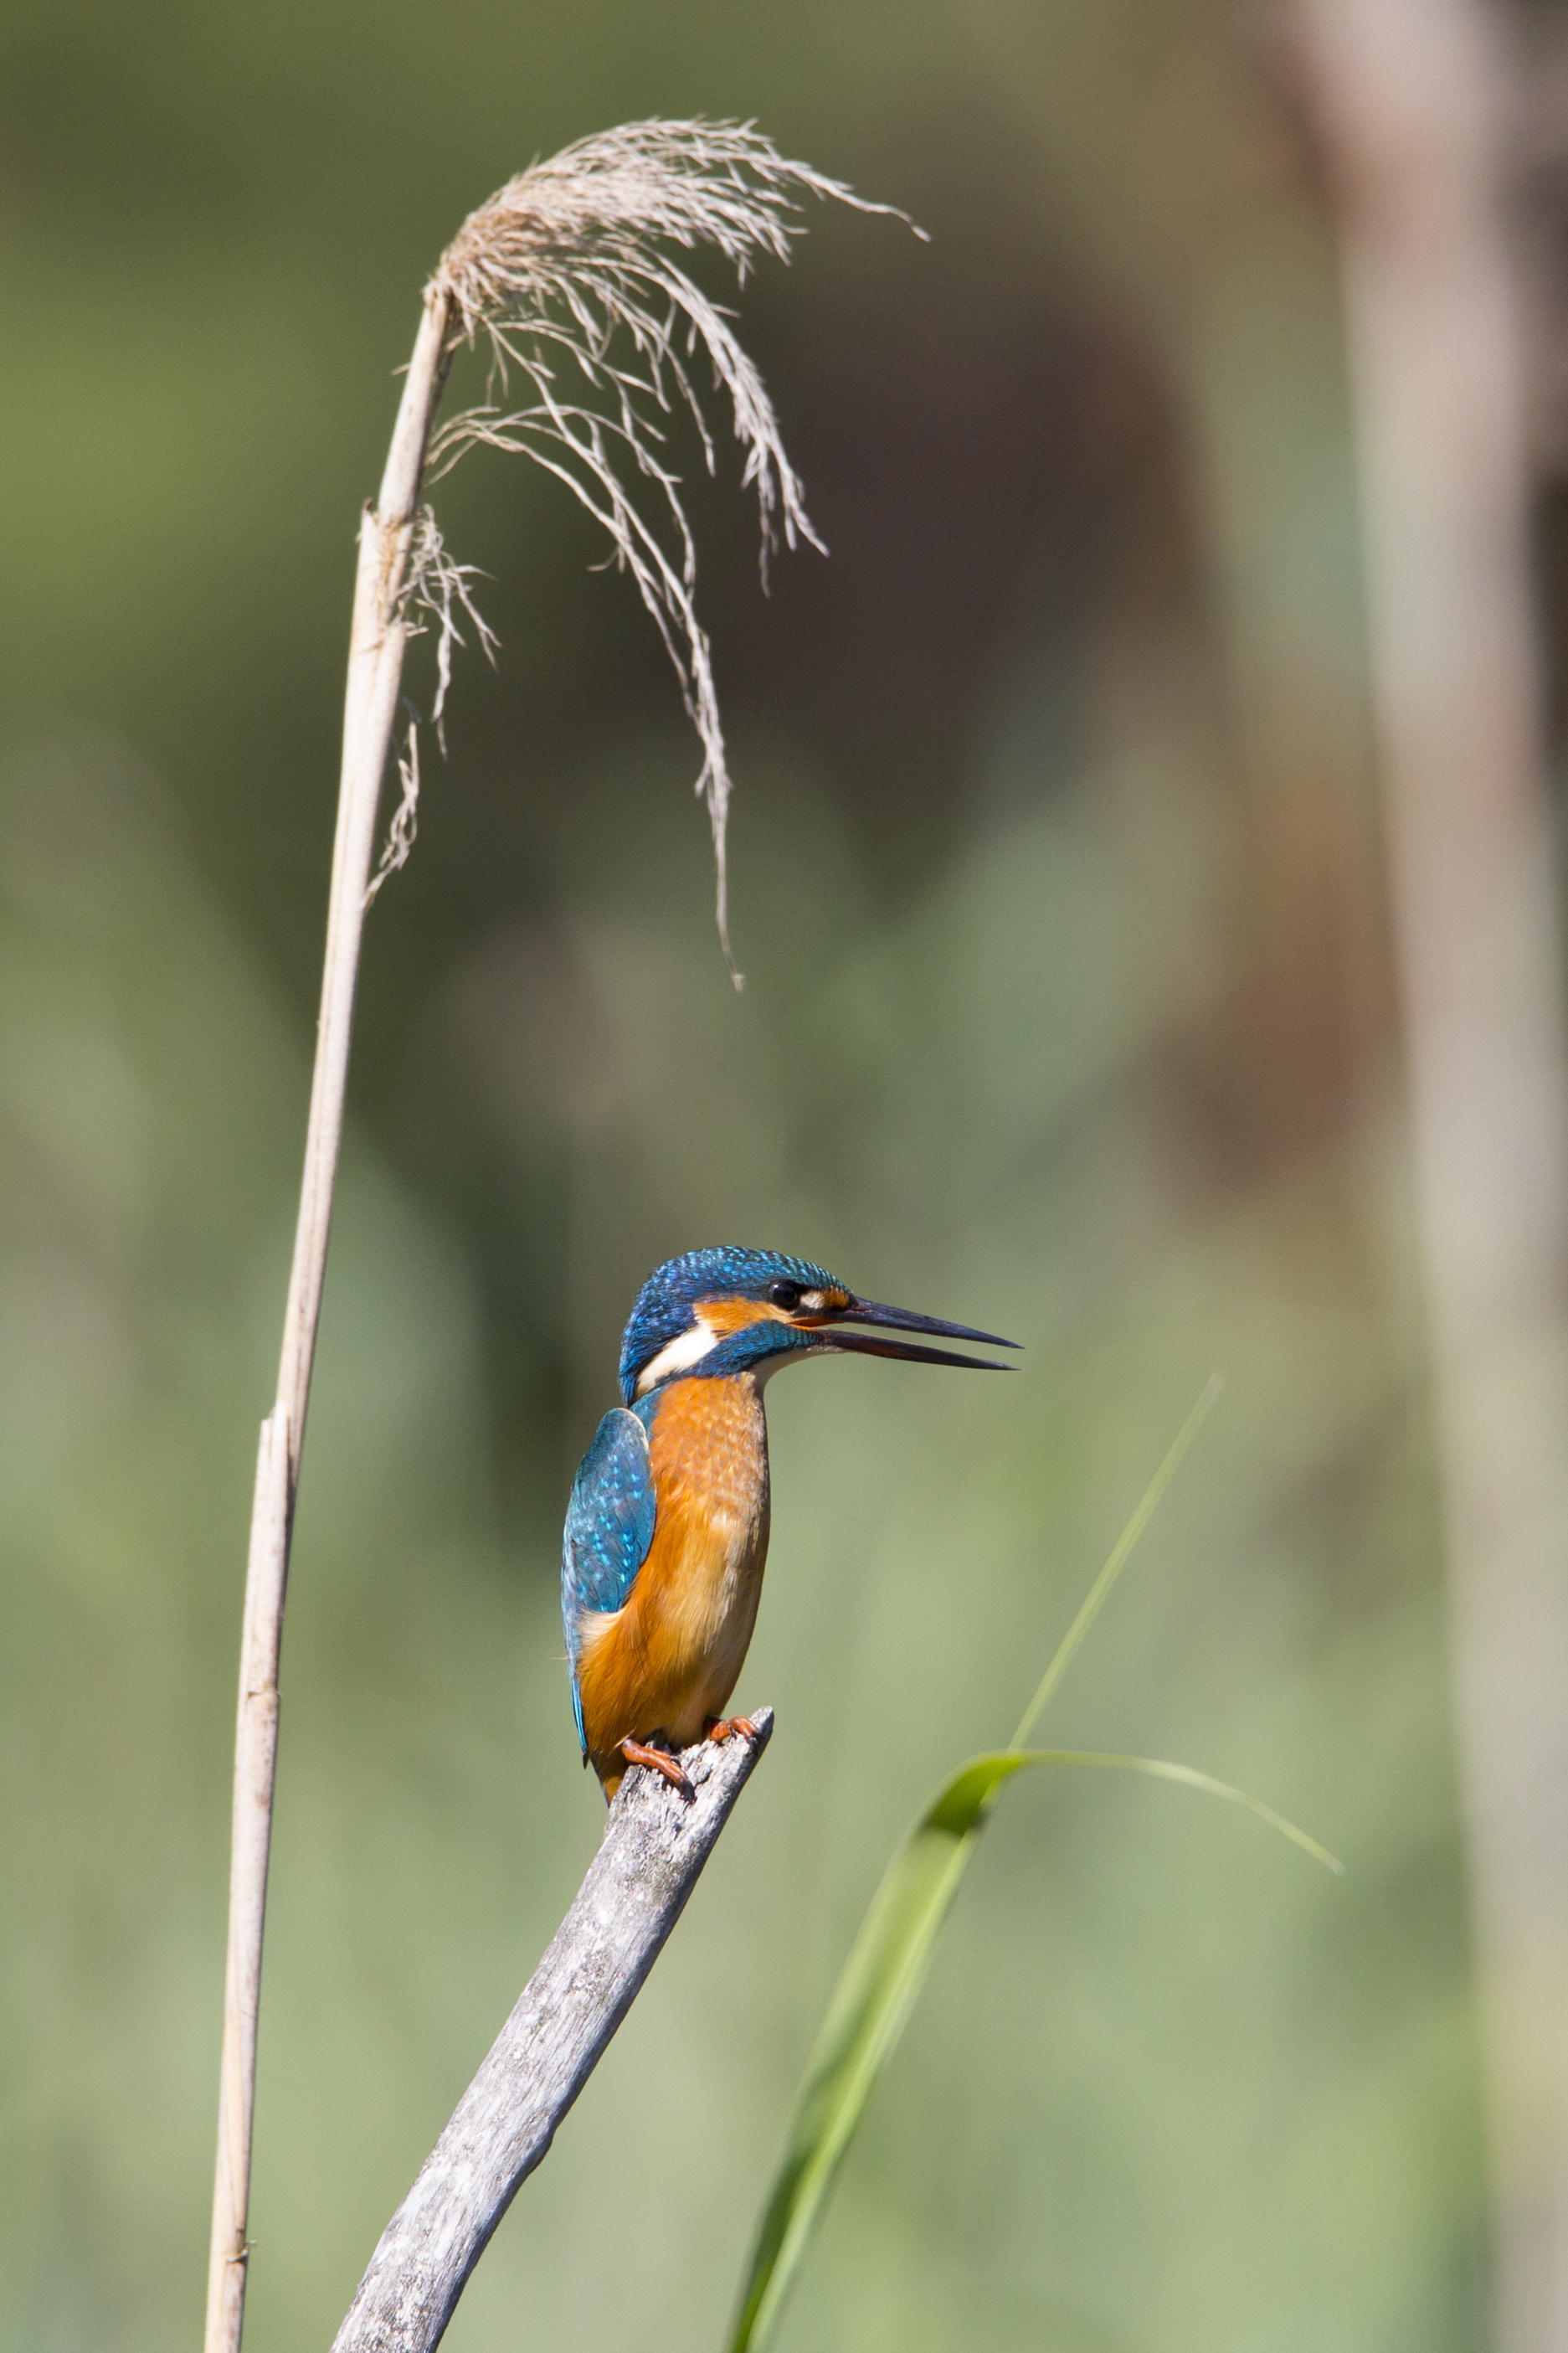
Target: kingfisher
point(667, 1531)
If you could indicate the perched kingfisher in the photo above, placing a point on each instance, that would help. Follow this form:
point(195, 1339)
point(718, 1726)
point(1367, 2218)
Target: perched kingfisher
point(667, 1531)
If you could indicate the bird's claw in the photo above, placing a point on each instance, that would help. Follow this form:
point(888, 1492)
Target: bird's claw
point(718, 1728)
point(658, 1760)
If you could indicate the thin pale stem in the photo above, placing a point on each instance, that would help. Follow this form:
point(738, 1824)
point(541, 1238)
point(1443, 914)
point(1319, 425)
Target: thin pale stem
point(376, 645)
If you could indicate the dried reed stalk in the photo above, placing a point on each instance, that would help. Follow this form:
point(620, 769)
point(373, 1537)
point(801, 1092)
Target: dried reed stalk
point(566, 271)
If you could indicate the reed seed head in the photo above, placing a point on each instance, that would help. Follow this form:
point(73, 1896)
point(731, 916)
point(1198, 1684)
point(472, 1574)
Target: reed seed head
point(572, 273)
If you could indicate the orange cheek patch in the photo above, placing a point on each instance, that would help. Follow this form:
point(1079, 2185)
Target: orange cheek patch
point(726, 1316)
point(723, 1316)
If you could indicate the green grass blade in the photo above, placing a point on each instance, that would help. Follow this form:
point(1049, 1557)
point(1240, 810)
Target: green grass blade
point(877, 1991)
point(1098, 1591)
point(888, 1960)
point(1191, 1778)
point(868, 2013)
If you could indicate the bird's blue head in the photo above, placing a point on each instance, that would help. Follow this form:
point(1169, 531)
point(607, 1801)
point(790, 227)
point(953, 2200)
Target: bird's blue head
point(717, 1312)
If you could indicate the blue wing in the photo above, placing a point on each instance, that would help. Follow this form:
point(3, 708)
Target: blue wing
point(609, 1527)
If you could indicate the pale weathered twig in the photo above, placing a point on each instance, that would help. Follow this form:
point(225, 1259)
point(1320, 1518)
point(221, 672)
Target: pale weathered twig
point(655, 1845)
point(564, 259)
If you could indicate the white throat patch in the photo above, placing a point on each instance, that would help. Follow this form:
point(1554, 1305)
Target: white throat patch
point(686, 1349)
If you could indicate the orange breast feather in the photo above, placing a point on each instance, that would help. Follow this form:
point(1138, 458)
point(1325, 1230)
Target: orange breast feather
point(668, 1660)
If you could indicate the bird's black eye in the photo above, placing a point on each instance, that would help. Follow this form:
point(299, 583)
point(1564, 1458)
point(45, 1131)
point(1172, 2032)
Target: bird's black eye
point(785, 1295)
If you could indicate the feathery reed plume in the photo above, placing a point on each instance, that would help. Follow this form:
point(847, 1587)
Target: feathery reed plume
point(567, 266)
point(562, 275)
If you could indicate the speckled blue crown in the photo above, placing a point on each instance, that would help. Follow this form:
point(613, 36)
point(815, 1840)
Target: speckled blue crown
point(665, 1303)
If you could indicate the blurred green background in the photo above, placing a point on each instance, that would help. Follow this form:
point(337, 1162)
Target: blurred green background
point(1054, 878)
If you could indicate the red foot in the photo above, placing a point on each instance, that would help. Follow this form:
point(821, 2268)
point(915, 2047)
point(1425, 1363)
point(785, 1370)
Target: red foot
point(658, 1760)
point(720, 1727)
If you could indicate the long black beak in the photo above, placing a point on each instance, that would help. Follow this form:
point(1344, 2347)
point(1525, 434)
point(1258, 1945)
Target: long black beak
point(898, 1319)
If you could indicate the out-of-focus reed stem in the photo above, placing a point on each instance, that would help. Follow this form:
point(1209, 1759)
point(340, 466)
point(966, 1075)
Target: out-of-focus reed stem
point(376, 644)
point(1414, 101)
